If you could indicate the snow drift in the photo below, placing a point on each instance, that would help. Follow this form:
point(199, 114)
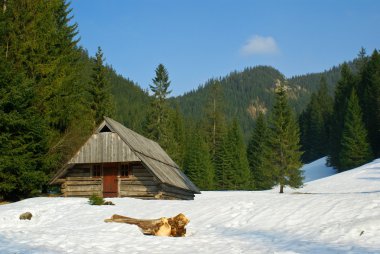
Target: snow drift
point(336, 214)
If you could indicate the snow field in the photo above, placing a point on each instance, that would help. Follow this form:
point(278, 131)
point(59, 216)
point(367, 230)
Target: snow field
point(337, 214)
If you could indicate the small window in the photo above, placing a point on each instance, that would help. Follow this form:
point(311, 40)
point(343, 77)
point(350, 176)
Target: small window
point(125, 170)
point(97, 170)
point(105, 129)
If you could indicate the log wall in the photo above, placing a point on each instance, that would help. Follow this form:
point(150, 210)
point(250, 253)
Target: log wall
point(82, 187)
point(79, 170)
point(171, 192)
point(141, 184)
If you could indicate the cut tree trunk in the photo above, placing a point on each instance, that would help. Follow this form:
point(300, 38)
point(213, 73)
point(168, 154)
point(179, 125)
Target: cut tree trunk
point(174, 226)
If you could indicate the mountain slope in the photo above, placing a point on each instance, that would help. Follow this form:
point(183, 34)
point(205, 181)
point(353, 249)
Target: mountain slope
point(243, 94)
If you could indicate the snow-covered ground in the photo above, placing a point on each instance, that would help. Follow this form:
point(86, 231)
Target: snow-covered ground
point(317, 169)
point(336, 214)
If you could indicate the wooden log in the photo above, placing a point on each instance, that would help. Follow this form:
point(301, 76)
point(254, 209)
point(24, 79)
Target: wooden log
point(83, 188)
point(175, 190)
point(174, 226)
point(82, 193)
point(83, 183)
point(138, 188)
point(136, 193)
point(140, 178)
point(137, 182)
point(145, 174)
point(79, 174)
point(71, 178)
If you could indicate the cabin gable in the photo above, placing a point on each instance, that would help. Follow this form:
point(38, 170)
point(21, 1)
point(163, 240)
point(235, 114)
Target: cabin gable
point(104, 147)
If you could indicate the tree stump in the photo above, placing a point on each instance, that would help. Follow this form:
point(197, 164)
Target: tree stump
point(174, 226)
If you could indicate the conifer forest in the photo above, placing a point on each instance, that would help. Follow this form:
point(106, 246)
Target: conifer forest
point(249, 130)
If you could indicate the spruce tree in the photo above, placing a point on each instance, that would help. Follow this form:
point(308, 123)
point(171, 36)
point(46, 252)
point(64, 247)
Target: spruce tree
point(40, 42)
point(232, 168)
point(355, 149)
point(215, 122)
point(284, 144)
point(197, 162)
point(157, 122)
point(342, 93)
point(240, 166)
point(23, 141)
point(369, 98)
point(314, 122)
point(259, 156)
point(100, 89)
point(224, 175)
point(176, 136)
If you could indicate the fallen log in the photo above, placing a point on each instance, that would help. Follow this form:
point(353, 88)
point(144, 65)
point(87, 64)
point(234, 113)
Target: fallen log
point(174, 226)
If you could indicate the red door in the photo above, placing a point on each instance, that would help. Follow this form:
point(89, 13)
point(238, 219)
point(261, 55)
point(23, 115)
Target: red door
point(110, 183)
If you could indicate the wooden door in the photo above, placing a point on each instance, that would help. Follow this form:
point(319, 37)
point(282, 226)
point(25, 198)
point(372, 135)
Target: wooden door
point(110, 181)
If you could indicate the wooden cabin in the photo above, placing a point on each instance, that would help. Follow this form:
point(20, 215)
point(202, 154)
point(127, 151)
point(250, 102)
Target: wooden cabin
point(118, 162)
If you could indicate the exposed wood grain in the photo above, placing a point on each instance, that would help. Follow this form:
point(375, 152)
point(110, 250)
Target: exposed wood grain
point(137, 182)
point(138, 188)
point(140, 178)
point(83, 179)
point(82, 193)
point(84, 188)
point(104, 147)
point(174, 226)
point(136, 193)
point(83, 183)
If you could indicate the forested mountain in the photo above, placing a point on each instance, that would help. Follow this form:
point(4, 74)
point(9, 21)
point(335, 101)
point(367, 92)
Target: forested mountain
point(245, 94)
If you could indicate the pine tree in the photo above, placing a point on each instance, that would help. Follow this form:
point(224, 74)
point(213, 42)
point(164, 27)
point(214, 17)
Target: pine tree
point(176, 136)
point(240, 166)
point(224, 175)
point(23, 140)
point(197, 162)
point(355, 147)
point(100, 89)
point(284, 143)
point(314, 122)
point(259, 155)
point(232, 168)
point(157, 122)
point(369, 97)
point(342, 93)
point(215, 123)
point(41, 43)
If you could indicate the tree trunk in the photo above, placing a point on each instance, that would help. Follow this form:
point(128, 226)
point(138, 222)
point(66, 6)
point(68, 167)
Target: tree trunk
point(281, 188)
point(174, 226)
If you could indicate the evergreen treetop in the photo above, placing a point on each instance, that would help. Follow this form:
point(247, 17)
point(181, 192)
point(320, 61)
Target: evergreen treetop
point(355, 147)
point(283, 141)
point(258, 155)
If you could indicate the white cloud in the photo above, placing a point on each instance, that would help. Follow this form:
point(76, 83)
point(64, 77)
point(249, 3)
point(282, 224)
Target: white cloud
point(259, 45)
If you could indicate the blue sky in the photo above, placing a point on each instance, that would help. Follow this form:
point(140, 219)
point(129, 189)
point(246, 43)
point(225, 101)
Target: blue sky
point(200, 39)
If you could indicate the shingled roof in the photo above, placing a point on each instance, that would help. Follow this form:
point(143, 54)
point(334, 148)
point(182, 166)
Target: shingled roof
point(155, 159)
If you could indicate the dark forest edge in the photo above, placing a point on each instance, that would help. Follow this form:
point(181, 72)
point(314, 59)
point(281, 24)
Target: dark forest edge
point(53, 95)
